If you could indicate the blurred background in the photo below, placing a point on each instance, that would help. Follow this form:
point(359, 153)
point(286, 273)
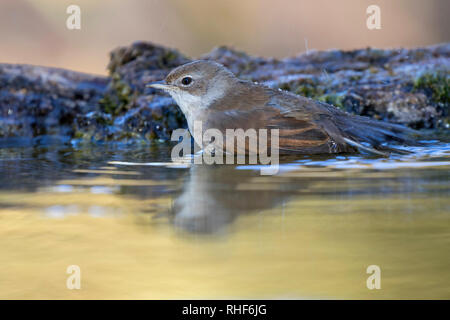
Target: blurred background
point(34, 31)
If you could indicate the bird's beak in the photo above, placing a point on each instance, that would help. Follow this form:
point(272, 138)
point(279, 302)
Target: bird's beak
point(159, 85)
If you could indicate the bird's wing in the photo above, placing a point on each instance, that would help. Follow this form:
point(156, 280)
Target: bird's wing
point(305, 125)
point(298, 129)
point(346, 130)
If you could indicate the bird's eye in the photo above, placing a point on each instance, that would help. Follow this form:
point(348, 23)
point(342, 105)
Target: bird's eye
point(186, 81)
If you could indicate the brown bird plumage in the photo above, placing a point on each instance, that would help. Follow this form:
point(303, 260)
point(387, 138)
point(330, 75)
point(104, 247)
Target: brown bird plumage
point(206, 91)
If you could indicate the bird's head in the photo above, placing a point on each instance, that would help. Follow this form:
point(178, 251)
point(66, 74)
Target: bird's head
point(197, 84)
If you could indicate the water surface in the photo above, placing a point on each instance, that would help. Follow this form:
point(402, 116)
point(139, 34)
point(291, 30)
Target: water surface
point(142, 227)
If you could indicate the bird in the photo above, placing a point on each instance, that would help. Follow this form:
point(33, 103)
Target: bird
point(208, 92)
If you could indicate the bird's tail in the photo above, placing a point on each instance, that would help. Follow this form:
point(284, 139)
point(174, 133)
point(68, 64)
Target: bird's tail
point(358, 130)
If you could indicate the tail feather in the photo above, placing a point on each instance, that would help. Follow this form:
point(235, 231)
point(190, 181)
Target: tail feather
point(361, 129)
point(365, 148)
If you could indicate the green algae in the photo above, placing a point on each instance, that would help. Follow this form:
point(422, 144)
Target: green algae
point(333, 98)
point(436, 85)
point(118, 98)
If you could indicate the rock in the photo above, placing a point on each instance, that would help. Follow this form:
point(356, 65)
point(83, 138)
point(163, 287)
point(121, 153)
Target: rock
point(38, 101)
point(140, 112)
point(407, 86)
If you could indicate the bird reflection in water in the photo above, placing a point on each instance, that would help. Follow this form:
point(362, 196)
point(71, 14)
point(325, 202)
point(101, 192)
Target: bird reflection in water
point(212, 197)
